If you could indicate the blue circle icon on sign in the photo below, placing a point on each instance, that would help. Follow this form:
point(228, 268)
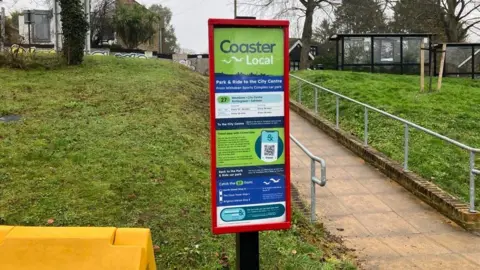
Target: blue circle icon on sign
point(269, 140)
point(232, 214)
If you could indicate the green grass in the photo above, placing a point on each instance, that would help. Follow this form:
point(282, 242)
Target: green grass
point(453, 112)
point(125, 143)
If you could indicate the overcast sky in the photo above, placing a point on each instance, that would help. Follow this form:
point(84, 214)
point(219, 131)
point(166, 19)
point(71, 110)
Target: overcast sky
point(190, 17)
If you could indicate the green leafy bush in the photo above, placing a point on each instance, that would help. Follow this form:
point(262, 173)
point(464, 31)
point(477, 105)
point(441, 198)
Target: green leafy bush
point(135, 24)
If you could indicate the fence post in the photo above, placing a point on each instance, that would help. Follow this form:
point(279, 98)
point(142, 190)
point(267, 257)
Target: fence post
point(313, 198)
point(316, 100)
point(405, 162)
point(472, 182)
point(299, 92)
point(337, 114)
point(365, 135)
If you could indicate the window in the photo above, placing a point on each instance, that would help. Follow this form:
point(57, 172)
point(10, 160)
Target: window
point(38, 21)
point(314, 50)
point(41, 27)
point(458, 60)
point(294, 65)
point(387, 50)
point(357, 50)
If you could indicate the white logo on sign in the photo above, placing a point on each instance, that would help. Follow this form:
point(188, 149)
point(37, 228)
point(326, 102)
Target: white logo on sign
point(275, 181)
point(233, 58)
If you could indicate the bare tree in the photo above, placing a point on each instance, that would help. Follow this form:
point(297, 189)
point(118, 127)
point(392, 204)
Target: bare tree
point(456, 17)
point(459, 17)
point(296, 10)
point(101, 24)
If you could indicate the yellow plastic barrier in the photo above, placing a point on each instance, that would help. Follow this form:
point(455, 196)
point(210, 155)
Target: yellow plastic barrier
point(75, 248)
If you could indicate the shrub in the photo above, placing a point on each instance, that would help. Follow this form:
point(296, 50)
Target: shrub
point(135, 24)
point(31, 60)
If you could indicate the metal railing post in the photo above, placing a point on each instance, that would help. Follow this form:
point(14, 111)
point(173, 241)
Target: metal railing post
point(472, 182)
point(365, 135)
point(313, 199)
point(299, 91)
point(337, 114)
point(313, 179)
point(316, 100)
point(405, 161)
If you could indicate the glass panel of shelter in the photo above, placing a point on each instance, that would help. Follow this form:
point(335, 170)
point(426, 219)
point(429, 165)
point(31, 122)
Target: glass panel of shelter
point(386, 50)
point(357, 50)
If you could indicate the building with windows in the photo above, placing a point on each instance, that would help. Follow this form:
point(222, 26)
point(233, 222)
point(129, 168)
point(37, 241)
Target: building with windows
point(44, 27)
point(295, 49)
point(36, 27)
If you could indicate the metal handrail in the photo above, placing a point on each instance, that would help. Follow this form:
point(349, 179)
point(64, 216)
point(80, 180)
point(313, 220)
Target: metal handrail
point(433, 133)
point(313, 179)
point(406, 123)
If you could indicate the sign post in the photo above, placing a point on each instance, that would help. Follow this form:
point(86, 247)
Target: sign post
point(249, 113)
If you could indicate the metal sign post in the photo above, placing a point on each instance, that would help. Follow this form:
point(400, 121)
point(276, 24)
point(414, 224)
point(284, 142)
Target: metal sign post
point(28, 15)
point(235, 6)
point(247, 251)
point(249, 115)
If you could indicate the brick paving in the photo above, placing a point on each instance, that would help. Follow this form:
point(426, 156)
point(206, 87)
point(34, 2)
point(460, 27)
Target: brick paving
point(387, 226)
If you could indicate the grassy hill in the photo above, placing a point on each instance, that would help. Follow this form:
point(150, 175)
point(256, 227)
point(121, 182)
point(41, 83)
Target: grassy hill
point(125, 142)
point(453, 112)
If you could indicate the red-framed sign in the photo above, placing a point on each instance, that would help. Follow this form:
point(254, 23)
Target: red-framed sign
point(249, 114)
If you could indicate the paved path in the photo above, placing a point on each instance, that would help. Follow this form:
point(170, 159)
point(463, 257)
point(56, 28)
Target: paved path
point(387, 226)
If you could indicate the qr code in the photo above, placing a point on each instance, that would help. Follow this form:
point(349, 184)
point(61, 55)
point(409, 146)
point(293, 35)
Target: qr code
point(269, 150)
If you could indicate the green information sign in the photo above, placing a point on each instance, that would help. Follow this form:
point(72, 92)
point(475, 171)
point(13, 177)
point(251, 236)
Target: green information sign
point(249, 51)
point(249, 89)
